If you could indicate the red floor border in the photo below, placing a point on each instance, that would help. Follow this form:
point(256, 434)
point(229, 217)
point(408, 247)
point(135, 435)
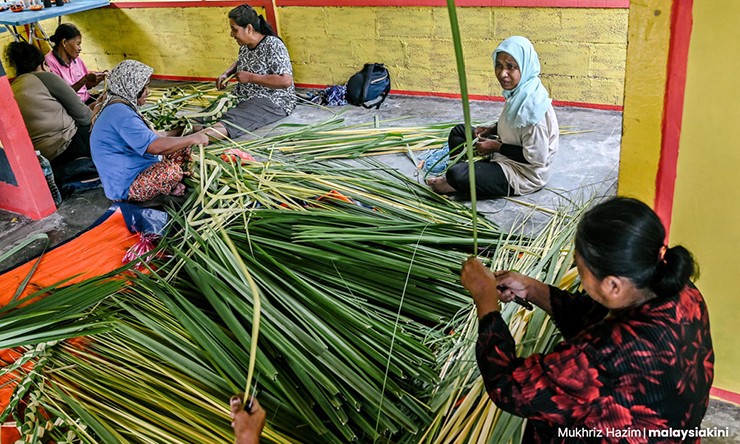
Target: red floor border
point(725, 395)
point(598, 106)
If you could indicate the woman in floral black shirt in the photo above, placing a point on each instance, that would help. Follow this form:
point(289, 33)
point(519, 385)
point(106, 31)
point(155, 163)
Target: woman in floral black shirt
point(264, 75)
point(637, 361)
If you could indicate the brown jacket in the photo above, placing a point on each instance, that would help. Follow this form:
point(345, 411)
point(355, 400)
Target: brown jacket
point(51, 110)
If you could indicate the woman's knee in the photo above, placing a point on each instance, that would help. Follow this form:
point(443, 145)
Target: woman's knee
point(457, 137)
point(173, 174)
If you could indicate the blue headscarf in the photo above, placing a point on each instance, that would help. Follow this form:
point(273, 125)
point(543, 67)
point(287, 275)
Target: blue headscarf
point(528, 102)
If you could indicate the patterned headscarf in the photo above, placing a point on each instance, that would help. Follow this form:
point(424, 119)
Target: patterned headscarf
point(125, 82)
point(528, 102)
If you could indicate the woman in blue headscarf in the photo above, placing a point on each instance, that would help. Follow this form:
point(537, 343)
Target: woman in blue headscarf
point(519, 148)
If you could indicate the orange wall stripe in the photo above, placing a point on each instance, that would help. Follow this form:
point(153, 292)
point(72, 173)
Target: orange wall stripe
point(678, 56)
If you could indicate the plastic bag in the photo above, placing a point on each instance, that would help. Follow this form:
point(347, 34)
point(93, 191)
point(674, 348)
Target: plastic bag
point(143, 220)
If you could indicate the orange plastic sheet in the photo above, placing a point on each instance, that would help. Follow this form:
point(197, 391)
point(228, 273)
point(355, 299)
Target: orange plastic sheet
point(95, 252)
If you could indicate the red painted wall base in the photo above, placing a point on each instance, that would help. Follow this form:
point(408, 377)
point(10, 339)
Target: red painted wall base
point(725, 395)
point(417, 93)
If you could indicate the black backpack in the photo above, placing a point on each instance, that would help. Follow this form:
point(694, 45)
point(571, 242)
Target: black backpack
point(370, 86)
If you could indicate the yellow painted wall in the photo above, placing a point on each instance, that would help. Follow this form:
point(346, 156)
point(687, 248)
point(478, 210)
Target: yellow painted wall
point(5, 38)
point(706, 213)
point(645, 78)
point(186, 42)
point(582, 50)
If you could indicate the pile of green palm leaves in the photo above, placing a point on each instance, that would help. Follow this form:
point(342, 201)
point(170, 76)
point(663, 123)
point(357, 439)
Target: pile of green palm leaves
point(330, 285)
point(357, 272)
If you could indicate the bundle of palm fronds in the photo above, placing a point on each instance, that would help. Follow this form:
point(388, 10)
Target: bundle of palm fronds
point(353, 266)
point(464, 413)
point(333, 286)
point(186, 105)
point(354, 286)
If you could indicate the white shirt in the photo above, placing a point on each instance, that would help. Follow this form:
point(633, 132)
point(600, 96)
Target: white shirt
point(539, 143)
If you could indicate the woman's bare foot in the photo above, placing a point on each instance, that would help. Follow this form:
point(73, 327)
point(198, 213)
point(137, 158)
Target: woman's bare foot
point(440, 186)
point(179, 190)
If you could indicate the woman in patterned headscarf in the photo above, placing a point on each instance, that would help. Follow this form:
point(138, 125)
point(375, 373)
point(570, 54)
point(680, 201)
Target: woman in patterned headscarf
point(519, 149)
point(264, 73)
point(135, 162)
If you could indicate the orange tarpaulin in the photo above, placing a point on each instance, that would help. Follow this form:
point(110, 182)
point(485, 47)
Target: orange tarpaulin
point(95, 252)
point(92, 253)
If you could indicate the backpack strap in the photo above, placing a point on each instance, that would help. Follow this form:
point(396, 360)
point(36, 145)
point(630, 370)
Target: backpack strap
point(383, 95)
point(368, 77)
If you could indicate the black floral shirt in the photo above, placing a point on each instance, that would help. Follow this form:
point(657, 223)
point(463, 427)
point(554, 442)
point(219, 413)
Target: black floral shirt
point(633, 376)
point(270, 56)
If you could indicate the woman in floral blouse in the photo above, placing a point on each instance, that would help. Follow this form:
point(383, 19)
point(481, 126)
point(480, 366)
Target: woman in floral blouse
point(264, 75)
point(637, 362)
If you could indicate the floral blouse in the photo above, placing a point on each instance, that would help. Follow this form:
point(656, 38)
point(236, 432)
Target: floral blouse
point(270, 56)
point(638, 375)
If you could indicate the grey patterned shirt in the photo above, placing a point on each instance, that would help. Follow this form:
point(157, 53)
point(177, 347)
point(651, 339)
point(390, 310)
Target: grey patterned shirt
point(270, 56)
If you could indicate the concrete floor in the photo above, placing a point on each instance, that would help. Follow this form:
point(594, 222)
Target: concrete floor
point(585, 166)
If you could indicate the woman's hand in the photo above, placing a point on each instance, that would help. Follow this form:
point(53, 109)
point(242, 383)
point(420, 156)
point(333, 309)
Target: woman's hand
point(481, 283)
point(222, 80)
point(244, 77)
point(482, 132)
point(512, 284)
point(247, 425)
point(487, 146)
point(92, 79)
point(199, 138)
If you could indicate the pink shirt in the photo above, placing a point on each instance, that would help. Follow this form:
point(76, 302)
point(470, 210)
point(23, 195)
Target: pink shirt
point(70, 73)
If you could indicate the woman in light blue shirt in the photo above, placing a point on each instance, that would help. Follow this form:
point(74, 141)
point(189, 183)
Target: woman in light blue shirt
point(135, 162)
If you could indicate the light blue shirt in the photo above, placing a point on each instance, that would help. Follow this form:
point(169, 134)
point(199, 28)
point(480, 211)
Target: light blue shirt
point(118, 143)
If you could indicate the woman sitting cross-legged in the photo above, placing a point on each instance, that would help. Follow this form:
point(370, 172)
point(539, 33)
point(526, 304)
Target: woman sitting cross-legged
point(522, 144)
point(264, 73)
point(135, 162)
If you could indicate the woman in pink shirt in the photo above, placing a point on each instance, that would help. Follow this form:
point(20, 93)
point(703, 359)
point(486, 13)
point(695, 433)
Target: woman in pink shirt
point(64, 60)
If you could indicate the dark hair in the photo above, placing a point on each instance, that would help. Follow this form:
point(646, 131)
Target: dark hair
point(65, 31)
point(624, 237)
point(24, 57)
point(244, 15)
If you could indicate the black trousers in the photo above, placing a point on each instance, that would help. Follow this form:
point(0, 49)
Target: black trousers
point(490, 180)
point(65, 166)
point(456, 139)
